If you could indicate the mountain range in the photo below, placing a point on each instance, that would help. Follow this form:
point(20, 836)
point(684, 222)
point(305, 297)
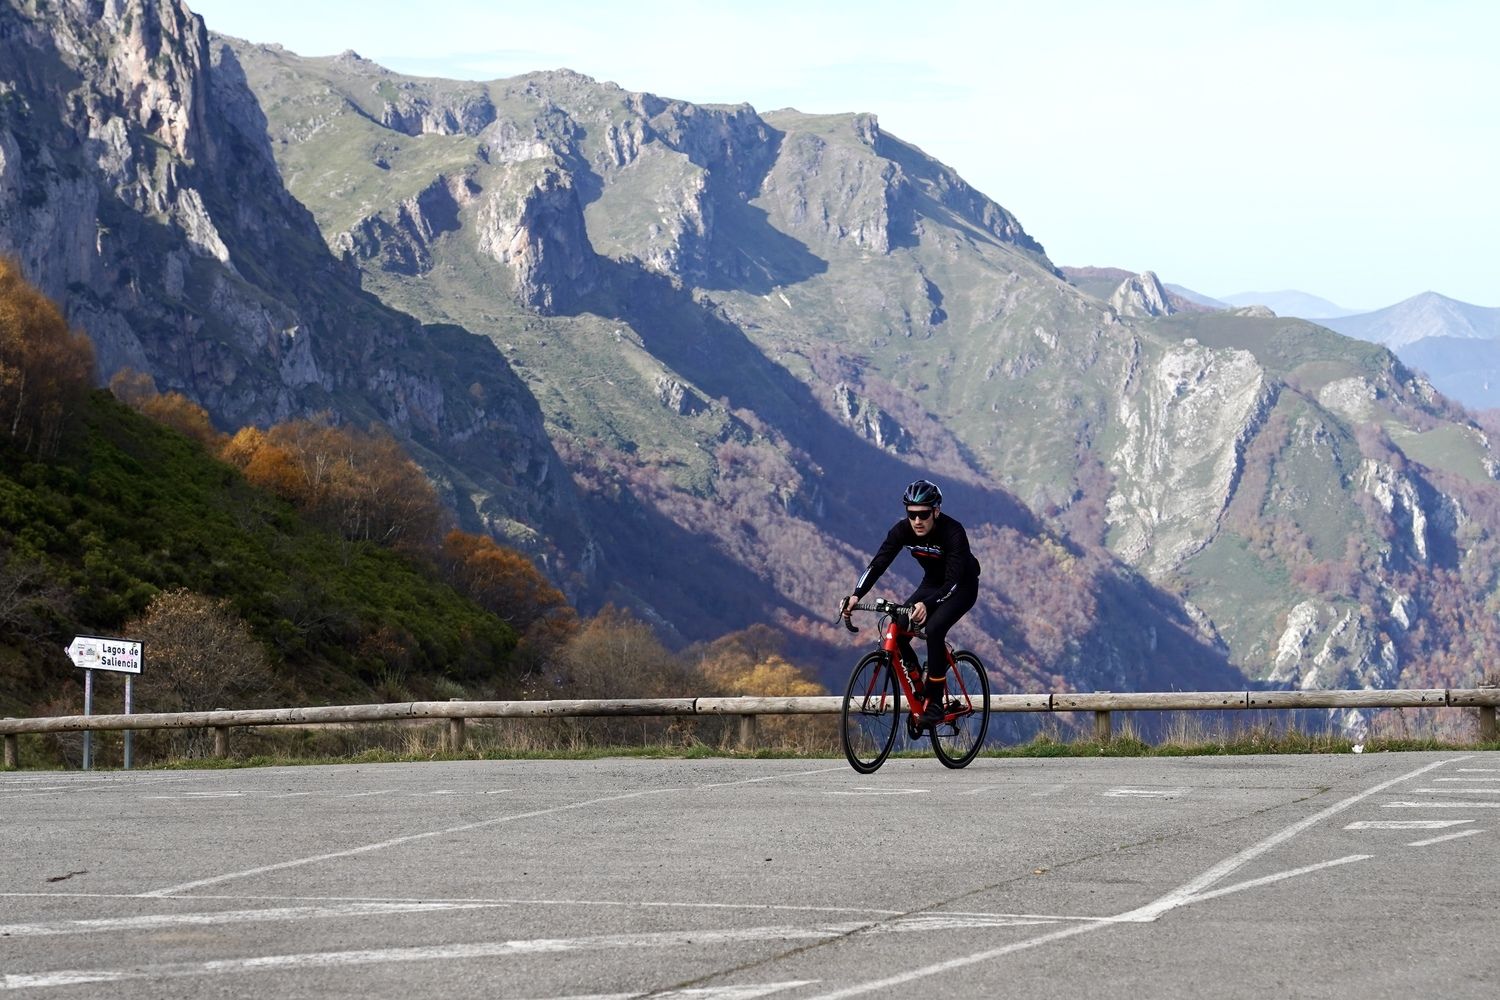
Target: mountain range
point(1454, 344)
point(687, 356)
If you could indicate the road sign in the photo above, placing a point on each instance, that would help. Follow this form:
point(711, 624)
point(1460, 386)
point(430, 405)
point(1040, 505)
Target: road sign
point(92, 652)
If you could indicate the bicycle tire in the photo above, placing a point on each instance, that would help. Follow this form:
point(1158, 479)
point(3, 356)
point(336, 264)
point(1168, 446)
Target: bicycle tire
point(968, 692)
point(867, 721)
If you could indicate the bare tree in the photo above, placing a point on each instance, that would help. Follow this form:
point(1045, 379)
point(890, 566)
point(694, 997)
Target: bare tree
point(199, 656)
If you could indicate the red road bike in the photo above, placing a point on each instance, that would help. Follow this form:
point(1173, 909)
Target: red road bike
point(889, 675)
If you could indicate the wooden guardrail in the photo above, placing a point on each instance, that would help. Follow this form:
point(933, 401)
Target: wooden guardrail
point(747, 709)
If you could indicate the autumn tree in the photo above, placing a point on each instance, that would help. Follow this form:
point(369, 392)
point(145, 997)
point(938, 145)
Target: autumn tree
point(199, 654)
point(507, 584)
point(46, 369)
point(138, 391)
point(358, 483)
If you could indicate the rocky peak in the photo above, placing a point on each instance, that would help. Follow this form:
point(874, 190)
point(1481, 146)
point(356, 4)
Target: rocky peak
point(1141, 295)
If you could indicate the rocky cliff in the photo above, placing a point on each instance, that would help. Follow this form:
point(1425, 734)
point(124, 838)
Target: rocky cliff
point(138, 188)
point(743, 332)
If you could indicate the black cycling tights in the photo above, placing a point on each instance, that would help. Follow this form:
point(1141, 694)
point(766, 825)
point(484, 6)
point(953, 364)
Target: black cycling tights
point(942, 618)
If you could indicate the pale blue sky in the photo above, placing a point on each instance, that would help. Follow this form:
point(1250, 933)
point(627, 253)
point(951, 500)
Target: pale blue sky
point(1349, 150)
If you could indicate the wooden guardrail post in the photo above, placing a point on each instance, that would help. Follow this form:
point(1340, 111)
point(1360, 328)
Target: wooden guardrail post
point(12, 749)
point(456, 734)
point(221, 741)
point(747, 732)
point(1102, 731)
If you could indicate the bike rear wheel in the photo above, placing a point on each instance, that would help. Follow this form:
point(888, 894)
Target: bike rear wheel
point(967, 701)
point(869, 715)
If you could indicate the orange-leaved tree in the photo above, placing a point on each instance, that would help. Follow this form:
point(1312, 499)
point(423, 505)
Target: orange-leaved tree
point(358, 483)
point(46, 369)
point(138, 391)
point(506, 583)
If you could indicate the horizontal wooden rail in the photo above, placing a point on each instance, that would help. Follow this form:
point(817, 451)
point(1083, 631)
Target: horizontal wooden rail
point(1101, 703)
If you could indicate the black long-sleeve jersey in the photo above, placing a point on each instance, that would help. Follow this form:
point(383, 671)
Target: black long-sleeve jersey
point(944, 556)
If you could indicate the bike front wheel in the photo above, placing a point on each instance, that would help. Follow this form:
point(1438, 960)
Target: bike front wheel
point(868, 719)
point(966, 704)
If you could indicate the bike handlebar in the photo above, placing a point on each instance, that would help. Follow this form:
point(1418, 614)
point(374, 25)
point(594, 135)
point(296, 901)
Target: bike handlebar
point(881, 606)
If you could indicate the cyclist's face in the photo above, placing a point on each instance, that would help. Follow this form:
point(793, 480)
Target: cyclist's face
point(921, 519)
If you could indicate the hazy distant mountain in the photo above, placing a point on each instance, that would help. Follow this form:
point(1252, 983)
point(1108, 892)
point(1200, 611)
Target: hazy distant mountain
point(1462, 368)
point(1300, 305)
point(1457, 345)
point(1198, 298)
point(1418, 318)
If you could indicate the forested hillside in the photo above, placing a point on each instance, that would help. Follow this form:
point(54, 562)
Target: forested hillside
point(308, 563)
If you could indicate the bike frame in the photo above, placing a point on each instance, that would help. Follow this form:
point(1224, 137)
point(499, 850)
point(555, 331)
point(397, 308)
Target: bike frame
point(891, 643)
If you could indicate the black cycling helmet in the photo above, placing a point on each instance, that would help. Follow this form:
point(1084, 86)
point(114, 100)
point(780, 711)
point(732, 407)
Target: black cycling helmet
point(923, 492)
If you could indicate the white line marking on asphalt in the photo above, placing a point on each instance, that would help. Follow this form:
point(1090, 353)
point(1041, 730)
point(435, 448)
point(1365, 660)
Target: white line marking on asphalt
point(1457, 791)
point(479, 825)
point(1279, 876)
point(396, 841)
point(1148, 793)
point(1440, 805)
point(273, 915)
point(1406, 824)
point(178, 796)
point(703, 993)
point(1447, 836)
point(1466, 779)
point(867, 790)
point(1047, 790)
point(360, 795)
point(1181, 896)
point(769, 777)
point(482, 949)
point(1472, 770)
point(981, 789)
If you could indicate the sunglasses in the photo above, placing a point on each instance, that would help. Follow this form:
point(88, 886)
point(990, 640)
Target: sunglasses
point(920, 515)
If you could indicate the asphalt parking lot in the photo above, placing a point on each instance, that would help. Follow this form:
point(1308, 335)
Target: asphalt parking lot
point(1318, 876)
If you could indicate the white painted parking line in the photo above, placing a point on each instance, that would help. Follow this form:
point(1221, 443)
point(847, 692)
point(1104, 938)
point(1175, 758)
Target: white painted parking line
point(1467, 779)
point(1438, 840)
point(704, 993)
point(1278, 877)
point(197, 795)
point(867, 790)
point(1440, 805)
point(1406, 824)
point(360, 795)
point(173, 890)
point(483, 949)
point(1184, 895)
point(1472, 770)
point(268, 915)
point(1457, 791)
point(1146, 793)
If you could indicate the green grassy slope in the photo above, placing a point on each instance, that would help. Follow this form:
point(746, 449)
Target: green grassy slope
point(131, 508)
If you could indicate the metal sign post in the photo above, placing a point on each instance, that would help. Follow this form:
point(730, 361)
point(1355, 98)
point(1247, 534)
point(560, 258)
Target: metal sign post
point(94, 652)
point(88, 709)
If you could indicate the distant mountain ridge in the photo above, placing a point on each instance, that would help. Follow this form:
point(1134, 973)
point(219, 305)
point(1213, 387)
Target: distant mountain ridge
point(1418, 318)
point(1289, 303)
point(724, 340)
point(1455, 343)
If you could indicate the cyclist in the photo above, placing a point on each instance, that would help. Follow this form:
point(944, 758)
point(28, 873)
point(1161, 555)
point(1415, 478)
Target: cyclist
point(950, 579)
